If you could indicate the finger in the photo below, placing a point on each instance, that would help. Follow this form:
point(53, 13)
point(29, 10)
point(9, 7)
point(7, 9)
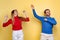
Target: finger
point(24, 11)
point(32, 6)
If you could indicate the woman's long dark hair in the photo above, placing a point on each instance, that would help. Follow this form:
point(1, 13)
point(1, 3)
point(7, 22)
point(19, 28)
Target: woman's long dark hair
point(12, 14)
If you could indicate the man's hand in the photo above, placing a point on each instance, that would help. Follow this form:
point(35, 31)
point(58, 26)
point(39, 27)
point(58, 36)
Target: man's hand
point(32, 6)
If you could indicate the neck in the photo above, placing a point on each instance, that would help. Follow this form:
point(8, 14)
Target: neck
point(48, 16)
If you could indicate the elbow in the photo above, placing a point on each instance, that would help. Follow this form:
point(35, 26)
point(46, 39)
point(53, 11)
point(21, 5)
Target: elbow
point(4, 25)
point(27, 20)
point(35, 16)
point(55, 23)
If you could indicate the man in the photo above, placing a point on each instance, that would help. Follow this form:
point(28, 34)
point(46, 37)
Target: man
point(47, 24)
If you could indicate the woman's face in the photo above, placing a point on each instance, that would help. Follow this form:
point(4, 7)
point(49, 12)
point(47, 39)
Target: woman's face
point(15, 13)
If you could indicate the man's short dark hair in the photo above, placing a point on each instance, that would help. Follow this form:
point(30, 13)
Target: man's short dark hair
point(46, 10)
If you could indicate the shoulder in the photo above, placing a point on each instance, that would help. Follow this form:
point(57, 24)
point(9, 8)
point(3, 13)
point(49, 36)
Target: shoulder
point(20, 17)
point(52, 18)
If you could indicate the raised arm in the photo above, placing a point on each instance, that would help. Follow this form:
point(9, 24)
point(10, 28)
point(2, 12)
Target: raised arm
point(35, 14)
point(6, 22)
point(26, 19)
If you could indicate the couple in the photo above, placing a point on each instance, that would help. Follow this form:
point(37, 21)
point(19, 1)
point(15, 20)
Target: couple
point(16, 21)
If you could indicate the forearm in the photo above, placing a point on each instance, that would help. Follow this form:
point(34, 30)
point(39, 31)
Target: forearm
point(52, 21)
point(7, 22)
point(38, 17)
point(34, 13)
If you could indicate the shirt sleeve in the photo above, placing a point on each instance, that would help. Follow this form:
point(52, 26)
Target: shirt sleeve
point(7, 23)
point(24, 19)
point(52, 21)
point(38, 17)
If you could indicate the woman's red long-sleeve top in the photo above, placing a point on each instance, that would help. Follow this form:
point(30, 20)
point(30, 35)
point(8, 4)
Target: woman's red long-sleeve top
point(17, 25)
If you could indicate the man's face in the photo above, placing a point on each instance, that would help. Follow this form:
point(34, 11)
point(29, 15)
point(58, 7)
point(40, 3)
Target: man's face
point(47, 13)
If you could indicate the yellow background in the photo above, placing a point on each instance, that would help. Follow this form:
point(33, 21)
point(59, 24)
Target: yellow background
point(31, 29)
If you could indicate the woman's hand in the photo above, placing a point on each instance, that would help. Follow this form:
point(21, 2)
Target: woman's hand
point(25, 13)
point(5, 18)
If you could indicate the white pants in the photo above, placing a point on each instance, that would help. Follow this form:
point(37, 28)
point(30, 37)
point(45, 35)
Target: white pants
point(46, 36)
point(17, 35)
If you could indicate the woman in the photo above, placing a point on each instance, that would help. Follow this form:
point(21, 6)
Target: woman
point(16, 22)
